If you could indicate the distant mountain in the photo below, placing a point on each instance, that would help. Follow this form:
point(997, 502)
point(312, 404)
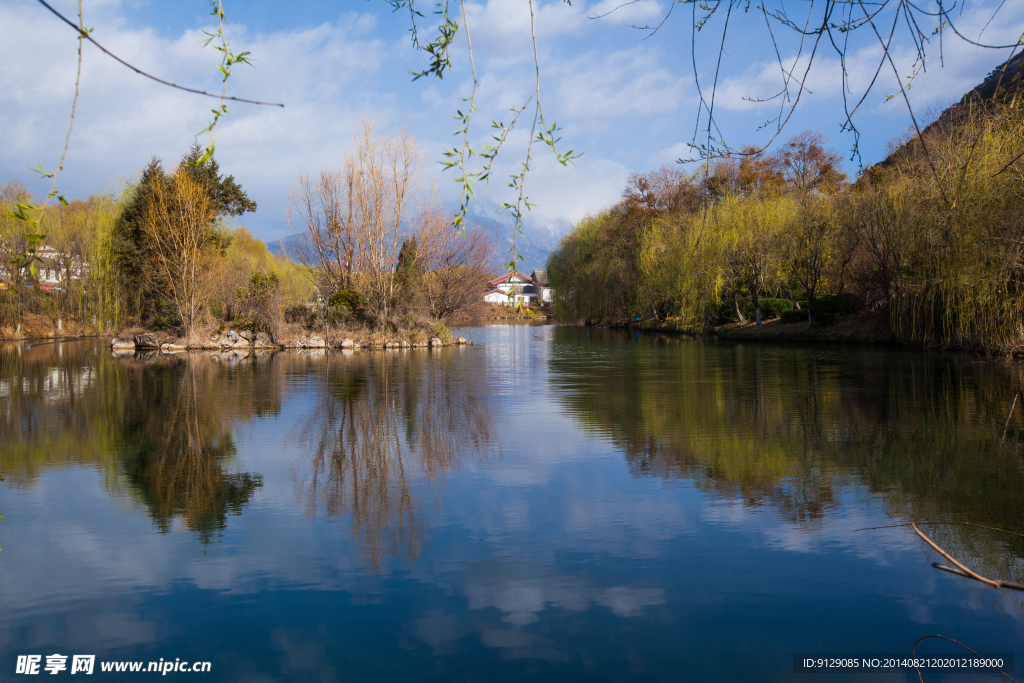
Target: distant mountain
point(286, 246)
point(537, 241)
point(534, 245)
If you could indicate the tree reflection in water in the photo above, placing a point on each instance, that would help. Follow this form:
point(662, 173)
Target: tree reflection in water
point(792, 428)
point(178, 447)
point(161, 429)
point(385, 429)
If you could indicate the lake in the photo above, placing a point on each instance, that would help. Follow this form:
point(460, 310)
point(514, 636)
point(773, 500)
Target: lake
point(552, 503)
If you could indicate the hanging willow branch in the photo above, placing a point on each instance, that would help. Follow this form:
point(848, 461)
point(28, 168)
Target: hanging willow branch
point(30, 214)
point(838, 19)
point(438, 57)
point(84, 33)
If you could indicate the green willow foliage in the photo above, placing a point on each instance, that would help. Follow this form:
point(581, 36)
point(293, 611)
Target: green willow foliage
point(680, 244)
point(934, 235)
point(955, 237)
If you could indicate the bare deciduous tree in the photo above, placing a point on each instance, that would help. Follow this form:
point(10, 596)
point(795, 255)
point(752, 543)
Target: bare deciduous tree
point(455, 264)
point(328, 244)
point(179, 227)
point(355, 217)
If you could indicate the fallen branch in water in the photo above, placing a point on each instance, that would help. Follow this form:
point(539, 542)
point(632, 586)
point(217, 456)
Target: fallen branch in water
point(977, 526)
point(961, 570)
point(913, 651)
point(1007, 425)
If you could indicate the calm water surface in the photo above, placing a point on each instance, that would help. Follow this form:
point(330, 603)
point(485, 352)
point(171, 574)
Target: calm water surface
point(553, 503)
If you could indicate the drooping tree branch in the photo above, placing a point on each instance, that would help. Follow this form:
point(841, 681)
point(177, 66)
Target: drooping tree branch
point(85, 33)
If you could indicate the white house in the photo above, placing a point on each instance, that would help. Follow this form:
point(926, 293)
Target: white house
point(541, 286)
point(500, 298)
point(56, 265)
point(516, 288)
point(53, 268)
point(509, 281)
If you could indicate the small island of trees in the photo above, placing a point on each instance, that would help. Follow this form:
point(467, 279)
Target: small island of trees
point(377, 256)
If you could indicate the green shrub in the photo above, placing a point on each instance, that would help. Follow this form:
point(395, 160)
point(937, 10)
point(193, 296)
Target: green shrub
point(827, 307)
point(247, 322)
point(348, 298)
point(824, 311)
point(771, 308)
point(794, 316)
point(165, 315)
point(847, 303)
point(727, 310)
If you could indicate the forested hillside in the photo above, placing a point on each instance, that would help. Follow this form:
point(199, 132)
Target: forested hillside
point(932, 236)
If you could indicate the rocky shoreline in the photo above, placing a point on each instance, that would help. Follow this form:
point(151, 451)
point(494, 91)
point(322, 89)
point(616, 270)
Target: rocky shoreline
point(247, 341)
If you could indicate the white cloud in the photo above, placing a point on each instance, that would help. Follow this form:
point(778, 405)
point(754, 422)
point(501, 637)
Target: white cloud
point(325, 75)
point(618, 99)
point(599, 85)
point(501, 31)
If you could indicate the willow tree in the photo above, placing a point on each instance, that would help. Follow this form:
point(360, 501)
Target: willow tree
point(755, 228)
point(682, 260)
point(12, 243)
point(963, 269)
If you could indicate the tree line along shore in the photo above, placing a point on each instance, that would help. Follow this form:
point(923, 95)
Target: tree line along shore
point(924, 248)
point(162, 262)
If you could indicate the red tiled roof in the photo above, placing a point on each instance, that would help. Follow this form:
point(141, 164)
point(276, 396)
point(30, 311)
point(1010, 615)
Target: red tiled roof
point(507, 276)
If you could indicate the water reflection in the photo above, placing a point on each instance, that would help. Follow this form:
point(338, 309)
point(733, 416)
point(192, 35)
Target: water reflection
point(161, 430)
point(791, 428)
point(655, 504)
point(177, 444)
point(385, 427)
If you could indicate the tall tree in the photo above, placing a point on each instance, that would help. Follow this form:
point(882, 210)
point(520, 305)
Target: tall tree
point(227, 198)
point(130, 251)
point(180, 231)
point(355, 217)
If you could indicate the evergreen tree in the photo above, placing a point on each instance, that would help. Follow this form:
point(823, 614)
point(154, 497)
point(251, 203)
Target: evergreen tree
point(408, 273)
point(129, 252)
point(227, 198)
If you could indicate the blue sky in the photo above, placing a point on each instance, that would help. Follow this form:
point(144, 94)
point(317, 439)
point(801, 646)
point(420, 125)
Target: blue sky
point(626, 102)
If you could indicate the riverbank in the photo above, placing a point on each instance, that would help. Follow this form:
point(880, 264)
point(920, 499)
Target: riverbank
point(859, 328)
point(493, 313)
point(39, 328)
point(36, 326)
point(245, 341)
